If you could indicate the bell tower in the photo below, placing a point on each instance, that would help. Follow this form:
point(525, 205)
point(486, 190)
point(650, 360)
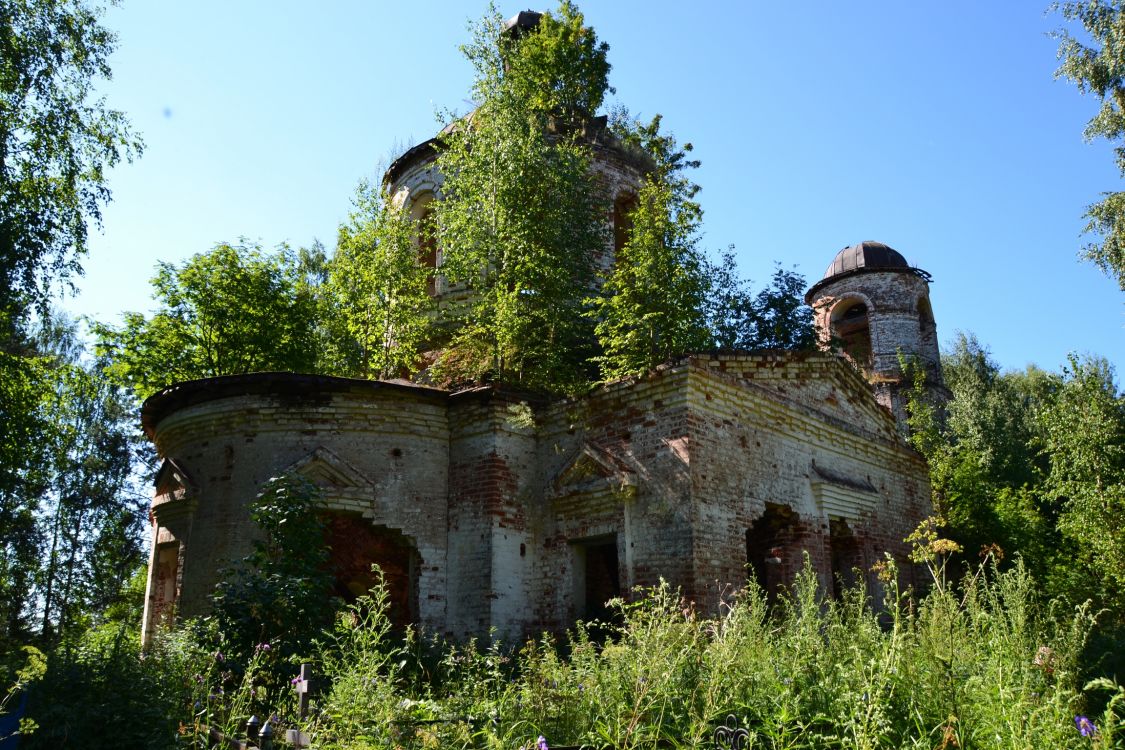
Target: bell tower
point(872, 306)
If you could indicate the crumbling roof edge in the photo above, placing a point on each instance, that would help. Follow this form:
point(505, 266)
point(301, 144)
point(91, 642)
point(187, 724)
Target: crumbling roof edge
point(190, 392)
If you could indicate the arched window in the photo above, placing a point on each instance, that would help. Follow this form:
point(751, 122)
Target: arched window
point(421, 210)
point(851, 326)
point(847, 556)
point(623, 208)
point(927, 329)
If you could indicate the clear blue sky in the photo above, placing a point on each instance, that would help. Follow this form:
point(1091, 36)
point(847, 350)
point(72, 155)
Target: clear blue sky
point(935, 128)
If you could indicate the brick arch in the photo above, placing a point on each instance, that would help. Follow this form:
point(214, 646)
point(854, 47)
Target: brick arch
point(849, 321)
point(773, 548)
point(355, 545)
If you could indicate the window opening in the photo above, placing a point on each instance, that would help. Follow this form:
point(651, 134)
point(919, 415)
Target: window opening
point(853, 329)
point(926, 328)
point(165, 586)
point(623, 209)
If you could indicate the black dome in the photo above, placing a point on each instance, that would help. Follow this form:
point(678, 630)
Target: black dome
point(867, 255)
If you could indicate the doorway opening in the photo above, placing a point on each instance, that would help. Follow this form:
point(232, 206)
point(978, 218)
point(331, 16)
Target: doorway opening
point(597, 578)
point(769, 542)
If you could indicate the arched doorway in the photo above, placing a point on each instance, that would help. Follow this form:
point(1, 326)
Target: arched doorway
point(355, 546)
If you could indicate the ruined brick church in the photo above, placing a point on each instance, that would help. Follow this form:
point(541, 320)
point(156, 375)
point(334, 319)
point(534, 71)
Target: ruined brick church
point(706, 472)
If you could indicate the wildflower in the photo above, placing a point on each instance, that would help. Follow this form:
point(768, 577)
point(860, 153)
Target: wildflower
point(218, 655)
point(541, 743)
point(263, 647)
point(883, 571)
point(1044, 659)
point(1085, 727)
point(296, 681)
point(198, 678)
point(995, 551)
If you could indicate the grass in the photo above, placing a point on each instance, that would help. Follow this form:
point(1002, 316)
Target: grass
point(983, 664)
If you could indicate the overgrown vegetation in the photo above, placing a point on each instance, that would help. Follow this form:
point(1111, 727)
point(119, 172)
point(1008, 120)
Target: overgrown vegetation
point(1014, 652)
point(983, 663)
point(1032, 463)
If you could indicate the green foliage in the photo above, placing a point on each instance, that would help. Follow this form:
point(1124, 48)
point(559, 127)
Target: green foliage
point(651, 307)
point(979, 665)
point(229, 311)
point(32, 671)
point(90, 515)
point(101, 691)
point(23, 464)
point(984, 463)
point(776, 317)
point(281, 594)
point(1084, 438)
point(1099, 68)
point(70, 517)
point(226, 690)
point(56, 143)
point(522, 219)
point(1032, 462)
point(559, 69)
point(361, 663)
point(983, 663)
point(378, 287)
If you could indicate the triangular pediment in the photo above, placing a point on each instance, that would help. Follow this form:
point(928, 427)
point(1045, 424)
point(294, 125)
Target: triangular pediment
point(324, 468)
point(173, 479)
point(592, 468)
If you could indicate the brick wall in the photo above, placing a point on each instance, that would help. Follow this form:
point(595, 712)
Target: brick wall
point(501, 523)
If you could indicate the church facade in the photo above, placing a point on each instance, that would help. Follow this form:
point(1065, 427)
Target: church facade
point(492, 512)
point(489, 512)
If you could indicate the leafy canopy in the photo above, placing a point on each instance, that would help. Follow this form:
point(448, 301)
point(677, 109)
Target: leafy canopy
point(56, 143)
point(1034, 462)
point(1099, 68)
point(378, 289)
point(651, 307)
point(522, 219)
point(775, 317)
point(229, 311)
point(560, 68)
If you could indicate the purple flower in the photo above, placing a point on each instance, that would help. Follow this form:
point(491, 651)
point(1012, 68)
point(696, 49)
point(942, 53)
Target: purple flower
point(541, 743)
point(1086, 727)
point(264, 647)
point(295, 681)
